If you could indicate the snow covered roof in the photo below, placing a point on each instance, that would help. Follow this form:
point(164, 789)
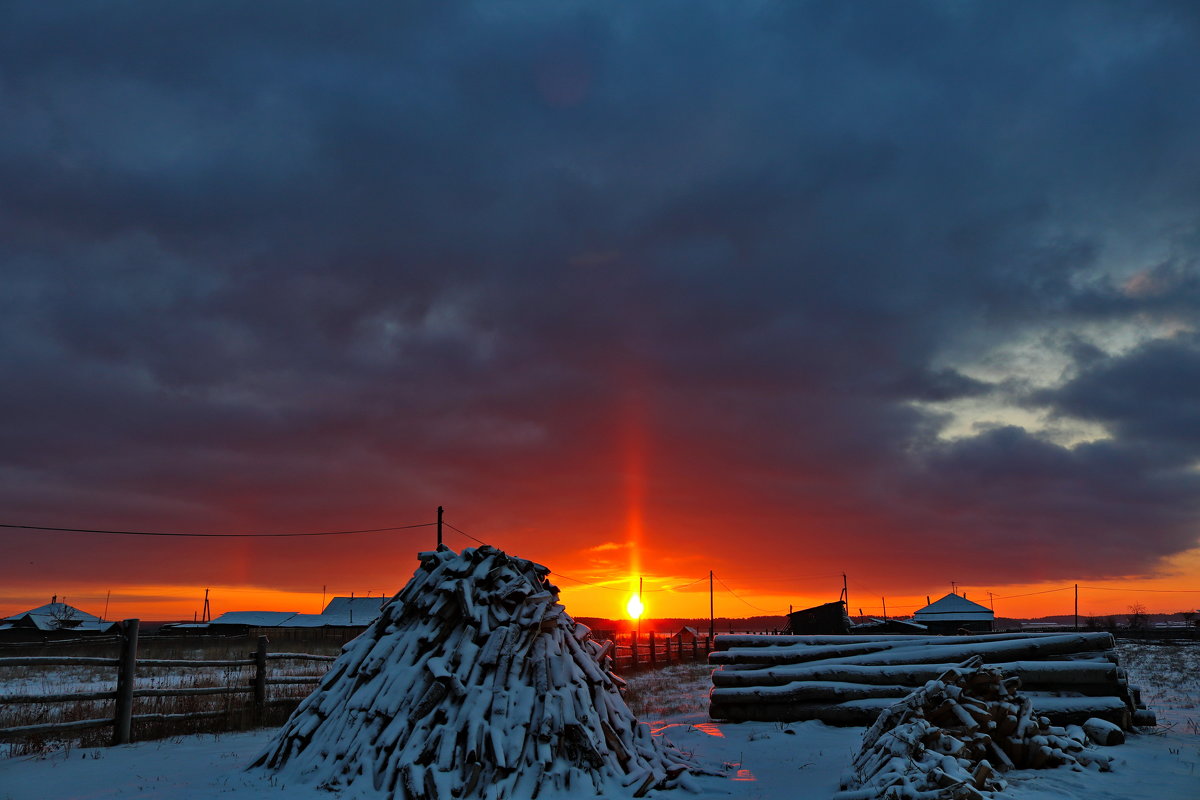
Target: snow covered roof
point(875, 621)
point(341, 611)
point(352, 610)
point(57, 617)
point(954, 607)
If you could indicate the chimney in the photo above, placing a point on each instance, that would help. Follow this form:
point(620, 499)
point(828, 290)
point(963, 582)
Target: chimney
point(53, 599)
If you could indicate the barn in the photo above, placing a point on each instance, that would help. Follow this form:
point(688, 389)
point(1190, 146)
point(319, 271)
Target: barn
point(954, 613)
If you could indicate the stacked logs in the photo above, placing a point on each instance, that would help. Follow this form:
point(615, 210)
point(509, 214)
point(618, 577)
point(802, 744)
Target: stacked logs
point(954, 737)
point(848, 680)
point(474, 682)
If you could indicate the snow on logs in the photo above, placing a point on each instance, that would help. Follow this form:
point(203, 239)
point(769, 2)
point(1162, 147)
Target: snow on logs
point(474, 683)
point(952, 738)
point(848, 680)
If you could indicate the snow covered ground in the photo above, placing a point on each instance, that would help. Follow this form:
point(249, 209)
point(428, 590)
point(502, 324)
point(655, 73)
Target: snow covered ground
point(756, 760)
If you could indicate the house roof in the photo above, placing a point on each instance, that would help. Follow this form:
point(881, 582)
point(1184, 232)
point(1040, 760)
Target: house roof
point(352, 610)
point(341, 611)
point(954, 607)
point(57, 617)
point(875, 622)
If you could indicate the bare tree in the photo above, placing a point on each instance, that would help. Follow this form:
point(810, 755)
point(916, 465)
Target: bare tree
point(1138, 618)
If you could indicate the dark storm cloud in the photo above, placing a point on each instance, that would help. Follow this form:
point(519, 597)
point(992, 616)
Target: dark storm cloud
point(1149, 396)
point(291, 265)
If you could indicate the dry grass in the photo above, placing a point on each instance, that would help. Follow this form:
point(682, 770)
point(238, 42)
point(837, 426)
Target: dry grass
point(1168, 673)
point(680, 689)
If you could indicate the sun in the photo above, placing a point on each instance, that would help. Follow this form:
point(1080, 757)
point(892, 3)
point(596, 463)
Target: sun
point(635, 607)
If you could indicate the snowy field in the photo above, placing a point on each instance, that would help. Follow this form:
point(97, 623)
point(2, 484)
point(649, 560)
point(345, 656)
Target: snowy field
point(754, 760)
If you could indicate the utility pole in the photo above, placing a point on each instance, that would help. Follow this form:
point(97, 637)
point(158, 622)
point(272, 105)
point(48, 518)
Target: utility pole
point(884, 599)
point(643, 605)
point(711, 632)
point(207, 615)
point(439, 544)
point(845, 594)
point(1077, 606)
point(991, 603)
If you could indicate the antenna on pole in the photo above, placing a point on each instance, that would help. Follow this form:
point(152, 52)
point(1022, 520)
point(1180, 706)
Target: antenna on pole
point(439, 544)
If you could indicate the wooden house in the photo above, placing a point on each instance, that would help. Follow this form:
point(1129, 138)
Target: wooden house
point(687, 634)
point(54, 620)
point(953, 614)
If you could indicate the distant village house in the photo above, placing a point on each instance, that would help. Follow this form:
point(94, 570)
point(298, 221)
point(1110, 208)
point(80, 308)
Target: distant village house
point(54, 620)
point(954, 613)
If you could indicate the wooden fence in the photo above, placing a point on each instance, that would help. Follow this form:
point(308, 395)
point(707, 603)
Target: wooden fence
point(633, 653)
point(126, 665)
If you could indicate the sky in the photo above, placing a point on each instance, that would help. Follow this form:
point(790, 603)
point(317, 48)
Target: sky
point(785, 291)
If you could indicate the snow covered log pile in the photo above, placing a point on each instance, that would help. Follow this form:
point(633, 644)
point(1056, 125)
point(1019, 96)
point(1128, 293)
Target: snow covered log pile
point(954, 737)
point(848, 680)
point(474, 682)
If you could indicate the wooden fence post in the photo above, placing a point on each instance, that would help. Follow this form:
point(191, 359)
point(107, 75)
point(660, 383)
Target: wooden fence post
point(650, 646)
point(260, 680)
point(126, 673)
point(679, 650)
point(633, 652)
point(695, 648)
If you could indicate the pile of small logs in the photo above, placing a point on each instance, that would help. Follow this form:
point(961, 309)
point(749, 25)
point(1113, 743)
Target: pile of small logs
point(474, 682)
point(848, 680)
point(954, 737)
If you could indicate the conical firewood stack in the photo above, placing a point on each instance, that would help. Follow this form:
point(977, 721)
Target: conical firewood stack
point(474, 682)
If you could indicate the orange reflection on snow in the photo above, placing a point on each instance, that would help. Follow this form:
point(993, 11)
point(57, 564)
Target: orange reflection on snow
point(704, 727)
point(744, 775)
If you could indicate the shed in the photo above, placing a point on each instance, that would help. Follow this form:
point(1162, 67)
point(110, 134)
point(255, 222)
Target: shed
point(828, 618)
point(954, 613)
point(686, 634)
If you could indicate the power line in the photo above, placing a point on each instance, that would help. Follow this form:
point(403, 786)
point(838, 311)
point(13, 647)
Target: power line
point(1030, 594)
point(464, 533)
point(215, 535)
point(747, 602)
point(785, 577)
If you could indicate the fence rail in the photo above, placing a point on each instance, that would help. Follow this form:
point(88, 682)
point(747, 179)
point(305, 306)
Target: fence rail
point(636, 653)
point(127, 664)
point(630, 654)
